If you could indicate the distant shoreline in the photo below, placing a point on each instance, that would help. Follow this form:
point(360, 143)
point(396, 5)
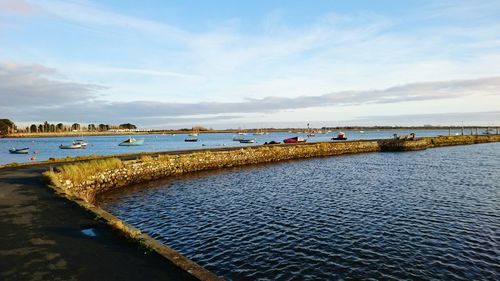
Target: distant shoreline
point(270, 130)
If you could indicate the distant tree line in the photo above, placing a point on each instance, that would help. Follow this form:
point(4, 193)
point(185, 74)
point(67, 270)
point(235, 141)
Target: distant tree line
point(195, 128)
point(46, 127)
point(7, 127)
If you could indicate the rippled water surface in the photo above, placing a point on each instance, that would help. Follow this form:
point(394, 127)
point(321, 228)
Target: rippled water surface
point(431, 214)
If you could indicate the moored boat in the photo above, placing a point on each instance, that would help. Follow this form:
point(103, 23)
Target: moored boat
point(131, 142)
point(294, 140)
point(71, 146)
point(80, 142)
point(191, 139)
point(24, 150)
point(340, 136)
point(247, 141)
point(238, 138)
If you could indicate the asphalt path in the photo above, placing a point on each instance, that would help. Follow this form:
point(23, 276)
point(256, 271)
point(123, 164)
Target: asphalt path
point(46, 237)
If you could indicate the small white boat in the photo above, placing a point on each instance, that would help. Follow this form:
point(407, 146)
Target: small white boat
point(24, 150)
point(81, 142)
point(242, 134)
point(131, 142)
point(238, 138)
point(247, 141)
point(71, 146)
point(191, 139)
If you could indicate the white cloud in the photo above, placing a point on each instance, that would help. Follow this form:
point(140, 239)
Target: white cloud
point(47, 98)
point(29, 86)
point(140, 71)
point(91, 15)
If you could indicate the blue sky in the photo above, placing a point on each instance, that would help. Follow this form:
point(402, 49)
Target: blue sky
point(250, 63)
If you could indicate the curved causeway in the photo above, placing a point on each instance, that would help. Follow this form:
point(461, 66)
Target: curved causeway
point(431, 214)
point(229, 226)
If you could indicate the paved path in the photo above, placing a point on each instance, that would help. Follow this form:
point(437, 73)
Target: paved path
point(41, 238)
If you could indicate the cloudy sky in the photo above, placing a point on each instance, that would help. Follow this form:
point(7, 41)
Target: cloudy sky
point(170, 64)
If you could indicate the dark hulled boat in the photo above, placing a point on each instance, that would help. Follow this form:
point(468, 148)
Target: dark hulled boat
point(294, 140)
point(340, 136)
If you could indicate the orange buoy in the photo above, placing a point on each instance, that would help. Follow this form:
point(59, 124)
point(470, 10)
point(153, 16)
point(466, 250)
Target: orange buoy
point(33, 158)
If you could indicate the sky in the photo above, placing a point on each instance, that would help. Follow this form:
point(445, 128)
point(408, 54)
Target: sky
point(229, 64)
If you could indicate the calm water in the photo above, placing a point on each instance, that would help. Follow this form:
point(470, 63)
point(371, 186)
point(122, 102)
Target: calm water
point(431, 214)
point(107, 145)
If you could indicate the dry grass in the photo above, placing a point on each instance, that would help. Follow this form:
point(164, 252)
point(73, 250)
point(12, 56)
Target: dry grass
point(52, 176)
point(146, 158)
point(80, 172)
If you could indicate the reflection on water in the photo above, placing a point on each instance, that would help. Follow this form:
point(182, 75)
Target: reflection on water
point(431, 214)
point(107, 145)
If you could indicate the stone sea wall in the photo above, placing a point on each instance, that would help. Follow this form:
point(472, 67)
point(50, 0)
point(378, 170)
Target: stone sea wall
point(149, 168)
point(155, 167)
point(462, 140)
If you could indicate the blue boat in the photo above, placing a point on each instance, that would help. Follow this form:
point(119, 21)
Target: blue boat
point(132, 142)
point(25, 150)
